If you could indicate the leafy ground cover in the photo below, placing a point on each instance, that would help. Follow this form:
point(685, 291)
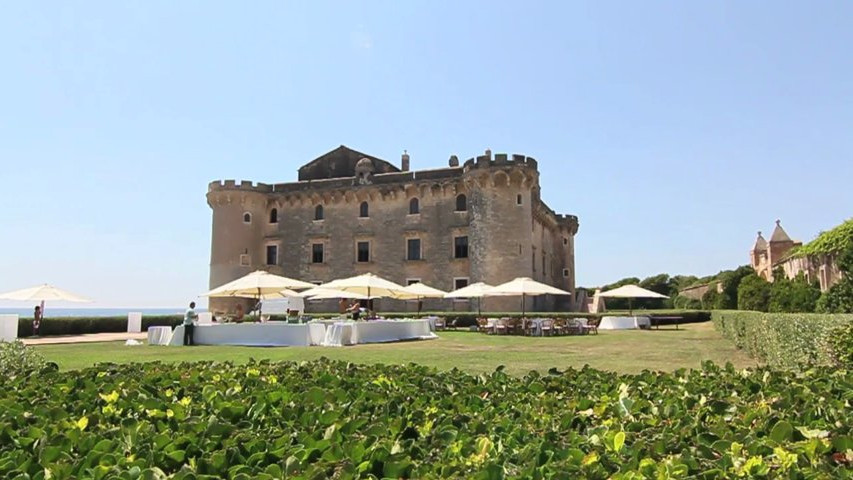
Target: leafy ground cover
point(333, 419)
point(620, 351)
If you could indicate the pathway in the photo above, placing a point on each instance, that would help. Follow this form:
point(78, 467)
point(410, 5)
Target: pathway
point(85, 338)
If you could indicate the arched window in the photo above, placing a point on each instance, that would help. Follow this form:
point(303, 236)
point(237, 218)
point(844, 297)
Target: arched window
point(461, 203)
point(274, 215)
point(318, 212)
point(247, 217)
point(414, 206)
point(363, 211)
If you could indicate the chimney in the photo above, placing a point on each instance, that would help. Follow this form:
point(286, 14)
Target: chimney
point(489, 153)
point(405, 162)
point(454, 161)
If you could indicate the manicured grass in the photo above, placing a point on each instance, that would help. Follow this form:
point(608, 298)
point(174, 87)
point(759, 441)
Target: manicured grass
point(620, 351)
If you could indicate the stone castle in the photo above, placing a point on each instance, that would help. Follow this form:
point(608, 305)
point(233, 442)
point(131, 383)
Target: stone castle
point(350, 213)
point(765, 257)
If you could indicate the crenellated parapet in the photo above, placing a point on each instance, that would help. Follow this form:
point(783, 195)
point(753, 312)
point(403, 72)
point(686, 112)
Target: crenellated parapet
point(500, 160)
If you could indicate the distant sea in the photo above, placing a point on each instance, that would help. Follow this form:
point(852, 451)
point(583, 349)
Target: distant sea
point(94, 312)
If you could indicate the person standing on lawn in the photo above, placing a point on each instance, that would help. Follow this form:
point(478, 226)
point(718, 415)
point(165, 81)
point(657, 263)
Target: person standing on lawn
point(36, 320)
point(190, 317)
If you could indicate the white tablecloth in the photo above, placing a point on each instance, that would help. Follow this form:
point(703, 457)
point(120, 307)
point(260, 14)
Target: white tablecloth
point(623, 323)
point(8, 328)
point(377, 331)
point(134, 322)
point(159, 335)
point(254, 334)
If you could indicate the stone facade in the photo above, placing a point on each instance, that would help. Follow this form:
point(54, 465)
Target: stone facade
point(351, 213)
point(765, 257)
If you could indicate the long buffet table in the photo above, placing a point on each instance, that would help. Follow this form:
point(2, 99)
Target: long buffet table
point(271, 334)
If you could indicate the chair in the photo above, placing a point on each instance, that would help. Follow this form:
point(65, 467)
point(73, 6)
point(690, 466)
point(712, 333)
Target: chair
point(440, 323)
point(515, 326)
point(502, 326)
point(589, 325)
point(547, 327)
point(560, 326)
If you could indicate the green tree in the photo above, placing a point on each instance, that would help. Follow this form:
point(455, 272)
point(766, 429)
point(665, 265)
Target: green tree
point(753, 293)
point(793, 296)
point(731, 281)
point(839, 298)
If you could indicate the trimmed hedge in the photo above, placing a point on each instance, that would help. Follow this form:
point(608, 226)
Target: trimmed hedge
point(81, 325)
point(784, 339)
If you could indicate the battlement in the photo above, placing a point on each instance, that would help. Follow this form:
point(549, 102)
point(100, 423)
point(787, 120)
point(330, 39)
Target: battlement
point(500, 160)
point(243, 185)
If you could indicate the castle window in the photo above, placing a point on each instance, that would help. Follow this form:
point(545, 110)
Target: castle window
point(363, 211)
point(247, 218)
point(272, 254)
point(544, 271)
point(245, 260)
point(414, 206)
point(274, 215)
point(461, 203)
point(565, 241)
point(565, 273)
point(318, 212)
point(460, 247)
point(363, 252)
point(533, 261)
point(461, 282)
point(412, 281)
point(316, 253)
point(518, 199)
point(413, 249)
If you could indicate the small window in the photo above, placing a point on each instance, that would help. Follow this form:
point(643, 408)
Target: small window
point(533, 261)
point(565, 241)
point(245, 260)
point(412, 281)
point(544, 271)
point(363, 210)
point(566, 272)
point(318, 212)
point(247, 218)
point(274, 215)
point(518, 199)
point(414, 206)
point(461, 203)
point(413, 249)
point(460, 283)
point(272, 254)
point(363, 252)
point(316, 253)
point(460, 247)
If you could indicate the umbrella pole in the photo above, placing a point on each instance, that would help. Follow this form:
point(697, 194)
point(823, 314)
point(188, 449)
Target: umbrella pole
point(260, 306)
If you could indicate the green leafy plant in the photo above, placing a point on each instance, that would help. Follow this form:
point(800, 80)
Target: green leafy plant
point(753, 293)
point(327, 419)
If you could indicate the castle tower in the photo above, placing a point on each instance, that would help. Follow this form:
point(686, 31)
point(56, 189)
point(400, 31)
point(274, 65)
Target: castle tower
point(758, 256)
point(779, 245)
point(240, 216)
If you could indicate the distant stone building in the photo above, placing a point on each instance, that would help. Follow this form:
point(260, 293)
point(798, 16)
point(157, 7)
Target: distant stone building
point(778, 253)
point(351, 213)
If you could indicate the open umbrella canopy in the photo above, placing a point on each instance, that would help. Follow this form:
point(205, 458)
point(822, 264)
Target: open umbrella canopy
point(43, 292)
point(631, 291)
point(261, 285)
point(419, 290)
point(475, 290)
point(367, 284)
point(525, 286)
point(319, 293)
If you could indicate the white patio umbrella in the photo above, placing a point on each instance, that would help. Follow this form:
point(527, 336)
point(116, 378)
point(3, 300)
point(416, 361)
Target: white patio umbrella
point(630, 292)
point(475, 290)
point(318, 293)
point(367, 284)
point(259, 285)
point(42, 293)
point(420, 290)
point(525, 286)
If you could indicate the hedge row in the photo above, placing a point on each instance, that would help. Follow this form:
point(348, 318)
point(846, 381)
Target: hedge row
point(784, 339)
point(82, 325)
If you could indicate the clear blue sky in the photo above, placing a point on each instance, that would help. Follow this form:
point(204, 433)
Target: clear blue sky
point(674, 130)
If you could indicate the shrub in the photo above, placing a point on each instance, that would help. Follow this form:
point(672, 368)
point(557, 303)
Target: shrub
point(82, 325)
point(785, 340)
point(682, 302)
point(753, 294)
point(793, 296)
point(328, 419)
point(19, 360)
point(838, 299)
point(841, 345)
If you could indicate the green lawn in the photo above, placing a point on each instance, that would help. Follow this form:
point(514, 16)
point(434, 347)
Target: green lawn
point(621, 351)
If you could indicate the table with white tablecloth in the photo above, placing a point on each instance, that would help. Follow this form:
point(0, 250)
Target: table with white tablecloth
point(377, 331)
point(270, 334)
point(159, 335)
point(623, 323)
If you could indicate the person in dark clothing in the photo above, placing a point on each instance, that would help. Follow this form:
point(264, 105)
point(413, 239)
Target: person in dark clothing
point(190, 317)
